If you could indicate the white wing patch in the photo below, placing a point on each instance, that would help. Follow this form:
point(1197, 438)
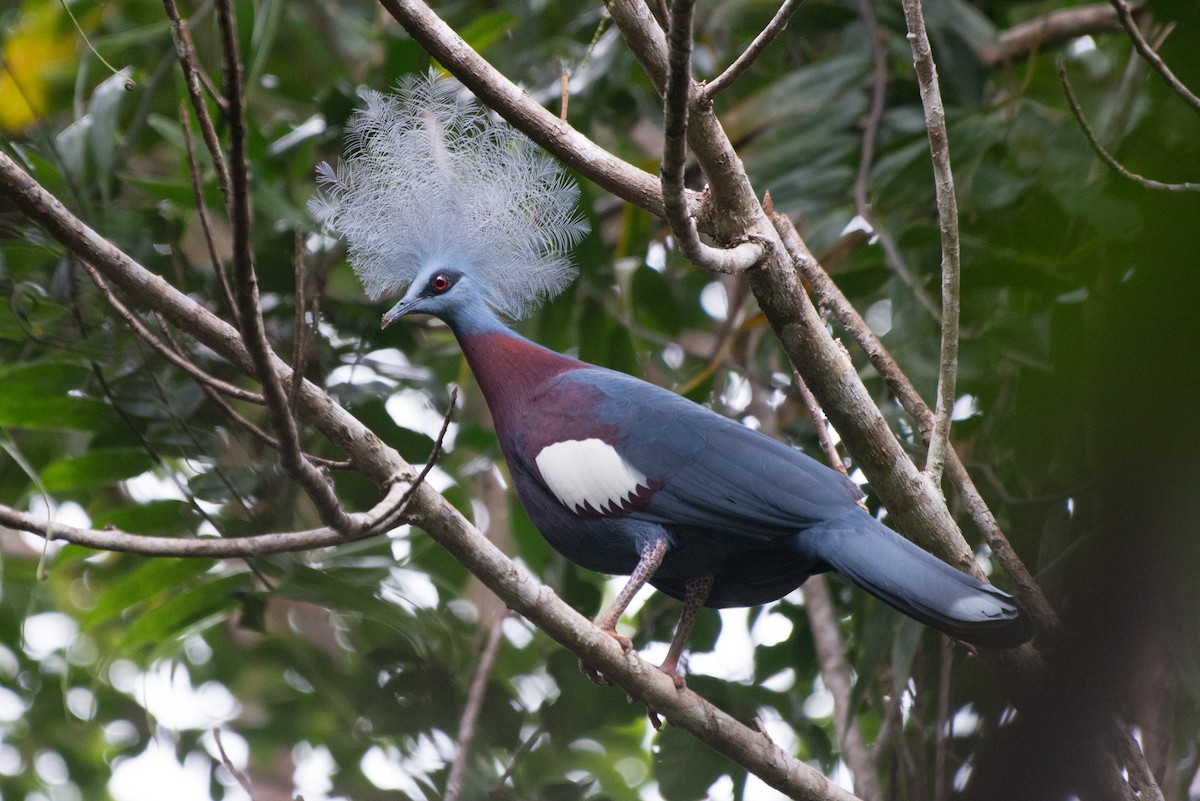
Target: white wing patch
point(589, 476)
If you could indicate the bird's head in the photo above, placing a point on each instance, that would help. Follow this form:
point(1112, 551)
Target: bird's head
point(438, 198)
point(437, 292)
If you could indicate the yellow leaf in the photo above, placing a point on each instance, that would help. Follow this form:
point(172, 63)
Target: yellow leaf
point(33, 55)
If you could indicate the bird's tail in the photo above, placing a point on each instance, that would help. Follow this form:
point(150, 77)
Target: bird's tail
point(915, 582)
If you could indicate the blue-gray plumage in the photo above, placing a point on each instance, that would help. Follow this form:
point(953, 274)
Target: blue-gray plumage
point(446, 202)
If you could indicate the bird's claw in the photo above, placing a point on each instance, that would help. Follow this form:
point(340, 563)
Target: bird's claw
point(625, 643)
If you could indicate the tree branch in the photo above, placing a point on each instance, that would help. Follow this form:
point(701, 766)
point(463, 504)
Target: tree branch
point(679, 90)
point(1125, 14)
point(202, 213)
point(1077, 110)
point(202, 378)
point(943, 181)
point(750, 54)
point(1048, 32)
point(470, 714)
point(830, 297)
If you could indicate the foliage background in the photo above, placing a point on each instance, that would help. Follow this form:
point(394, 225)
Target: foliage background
point(352, 664)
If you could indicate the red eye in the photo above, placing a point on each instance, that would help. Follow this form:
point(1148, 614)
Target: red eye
point(440, 283)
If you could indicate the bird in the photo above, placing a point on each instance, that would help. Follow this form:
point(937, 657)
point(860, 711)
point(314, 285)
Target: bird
point(464, 217)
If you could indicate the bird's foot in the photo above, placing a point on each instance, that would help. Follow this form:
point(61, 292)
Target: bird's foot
point(625, 643)
point(671, 669)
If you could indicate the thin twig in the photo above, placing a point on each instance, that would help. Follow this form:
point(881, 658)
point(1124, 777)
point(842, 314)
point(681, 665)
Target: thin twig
point(939, 146)
point(202, 212)
point(945, 723)
point(751, 53)
point(237, 774)
point(300, 331)
point(838, 680)
point(136, 325)
point(237, 417)
point(1139, 41)
point(470, 715)
point(744, 255)
point(316, 485)
point(879, 82)
point(192, 79)
point(1077, 110)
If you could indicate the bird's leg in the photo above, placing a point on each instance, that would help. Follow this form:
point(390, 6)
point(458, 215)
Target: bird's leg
point(693, 601)
point(652, 556)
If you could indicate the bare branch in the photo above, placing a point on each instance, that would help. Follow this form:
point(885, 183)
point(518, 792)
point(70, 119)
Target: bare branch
point(939, 146)
point(192, 79)
point(1048, 32)
point(1139, 41)
point(1077, 110)
point(751, 53)
point(679, 88)
point(317, 485)
point(300, 331)
point(225, 760)
point(837, 677)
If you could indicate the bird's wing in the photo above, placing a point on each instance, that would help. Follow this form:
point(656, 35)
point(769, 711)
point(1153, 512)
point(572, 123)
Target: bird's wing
point(607, 444)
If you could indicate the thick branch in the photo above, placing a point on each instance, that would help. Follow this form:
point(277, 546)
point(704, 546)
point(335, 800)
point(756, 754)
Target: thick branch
point(830, 297)
point(947, 204)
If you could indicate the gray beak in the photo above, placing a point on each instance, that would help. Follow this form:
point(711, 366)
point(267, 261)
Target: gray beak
point(399, 310)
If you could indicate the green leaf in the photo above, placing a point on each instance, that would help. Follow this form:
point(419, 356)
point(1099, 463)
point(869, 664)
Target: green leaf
point(182, 613)
point(149, 580)
point(42, 396)
point(96, 469)
point(487, 28)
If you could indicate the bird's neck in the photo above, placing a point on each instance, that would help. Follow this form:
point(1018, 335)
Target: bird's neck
point(510, 369)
